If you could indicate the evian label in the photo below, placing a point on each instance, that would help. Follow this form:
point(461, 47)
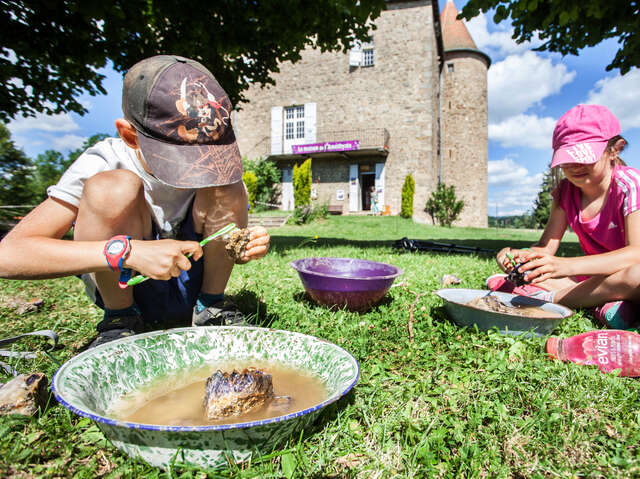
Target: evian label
point(602, 348)
point(582, 153)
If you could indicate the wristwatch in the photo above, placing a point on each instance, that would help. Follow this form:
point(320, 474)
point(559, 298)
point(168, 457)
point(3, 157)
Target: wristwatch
point(116, 251)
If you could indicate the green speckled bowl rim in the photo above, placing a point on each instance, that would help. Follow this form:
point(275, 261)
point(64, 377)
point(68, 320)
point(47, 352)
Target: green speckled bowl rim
point(155, 427)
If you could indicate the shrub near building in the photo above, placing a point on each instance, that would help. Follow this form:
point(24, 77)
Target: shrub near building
point(251, 182)
point(408, 189)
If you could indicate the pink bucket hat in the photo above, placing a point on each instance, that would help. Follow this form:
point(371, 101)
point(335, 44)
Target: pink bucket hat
point(582, 134)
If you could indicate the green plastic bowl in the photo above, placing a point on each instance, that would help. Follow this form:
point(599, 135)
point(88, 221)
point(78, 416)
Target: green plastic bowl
point(89, 383)
point(455, 303)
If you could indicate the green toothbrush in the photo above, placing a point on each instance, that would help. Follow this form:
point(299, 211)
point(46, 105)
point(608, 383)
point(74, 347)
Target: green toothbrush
point(227, 229)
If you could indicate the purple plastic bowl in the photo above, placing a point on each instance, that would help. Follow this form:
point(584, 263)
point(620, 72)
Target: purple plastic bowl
point(356, 284)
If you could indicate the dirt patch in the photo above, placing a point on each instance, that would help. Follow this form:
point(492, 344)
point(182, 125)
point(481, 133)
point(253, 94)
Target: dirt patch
point(237, 243)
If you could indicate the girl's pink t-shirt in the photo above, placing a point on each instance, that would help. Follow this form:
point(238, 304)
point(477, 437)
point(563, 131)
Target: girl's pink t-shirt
point(605, 232)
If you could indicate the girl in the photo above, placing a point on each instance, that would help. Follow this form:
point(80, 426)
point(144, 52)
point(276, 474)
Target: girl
point(599, 198)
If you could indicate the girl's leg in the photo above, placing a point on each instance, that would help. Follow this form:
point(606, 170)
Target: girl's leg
point(597, 290)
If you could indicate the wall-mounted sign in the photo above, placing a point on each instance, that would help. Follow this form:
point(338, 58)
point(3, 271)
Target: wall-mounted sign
point(325, 147)
point(339, 195)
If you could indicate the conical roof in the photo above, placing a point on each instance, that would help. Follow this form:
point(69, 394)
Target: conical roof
point(455, 35)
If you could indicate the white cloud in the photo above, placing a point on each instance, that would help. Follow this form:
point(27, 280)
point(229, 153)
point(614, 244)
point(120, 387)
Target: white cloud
point(621, 94)
point(67, 142)
point(521, 81)
point(513, 189)
point(53, 123)
point(529, 131)
point(499, 42)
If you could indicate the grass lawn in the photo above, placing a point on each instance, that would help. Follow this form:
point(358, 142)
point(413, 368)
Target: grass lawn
point(452, 403)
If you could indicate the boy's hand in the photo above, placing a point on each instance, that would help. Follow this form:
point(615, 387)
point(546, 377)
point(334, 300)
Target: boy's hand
point(257, 246)
point(162, 259)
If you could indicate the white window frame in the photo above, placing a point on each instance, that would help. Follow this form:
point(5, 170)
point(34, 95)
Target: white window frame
point(368, 58)
point(293, 122)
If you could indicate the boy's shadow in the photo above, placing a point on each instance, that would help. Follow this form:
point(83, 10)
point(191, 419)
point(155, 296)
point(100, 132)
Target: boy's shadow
point(254, 309)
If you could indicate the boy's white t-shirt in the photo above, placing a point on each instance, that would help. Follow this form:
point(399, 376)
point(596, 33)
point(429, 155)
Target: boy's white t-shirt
point(168, 205)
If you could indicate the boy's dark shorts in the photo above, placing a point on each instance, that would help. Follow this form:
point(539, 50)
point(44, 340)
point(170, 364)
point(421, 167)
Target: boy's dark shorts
point(167, 304)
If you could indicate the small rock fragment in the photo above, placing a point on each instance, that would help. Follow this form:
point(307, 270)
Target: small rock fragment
point(449, 279)
point(237, 243)
point(25, 394)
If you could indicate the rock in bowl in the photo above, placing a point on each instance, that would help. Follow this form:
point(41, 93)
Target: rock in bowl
point(92, 381)
point(456, 304)
point(356, 284)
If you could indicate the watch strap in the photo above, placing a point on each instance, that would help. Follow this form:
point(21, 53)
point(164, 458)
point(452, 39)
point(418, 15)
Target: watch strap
point(125, 276)
point(115, 260)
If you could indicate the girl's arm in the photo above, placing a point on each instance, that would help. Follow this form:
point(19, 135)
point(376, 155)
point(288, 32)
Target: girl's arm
point(547, 244)
point(542, 267)
point(553, 231)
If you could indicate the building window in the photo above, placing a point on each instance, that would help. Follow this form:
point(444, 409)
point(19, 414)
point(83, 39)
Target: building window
point(450, 67)
point(294, 122)
point(367, 57)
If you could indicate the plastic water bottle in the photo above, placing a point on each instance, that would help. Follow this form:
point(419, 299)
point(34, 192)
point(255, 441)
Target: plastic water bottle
point(608, 349)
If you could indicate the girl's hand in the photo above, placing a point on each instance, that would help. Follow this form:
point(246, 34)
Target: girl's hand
point(258, 244)
point(540, 267)
point(162, 259)
point(507, 256)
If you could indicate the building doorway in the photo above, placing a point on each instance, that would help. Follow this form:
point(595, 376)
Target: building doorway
point(367, 183)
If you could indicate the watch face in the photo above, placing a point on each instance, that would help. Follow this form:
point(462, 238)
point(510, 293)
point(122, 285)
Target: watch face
point(115, 247)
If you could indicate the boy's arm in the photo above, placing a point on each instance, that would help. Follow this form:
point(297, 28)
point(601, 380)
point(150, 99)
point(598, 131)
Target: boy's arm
point(34, 249)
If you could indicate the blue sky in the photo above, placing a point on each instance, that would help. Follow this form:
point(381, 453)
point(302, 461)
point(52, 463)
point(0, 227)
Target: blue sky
point(528, 92)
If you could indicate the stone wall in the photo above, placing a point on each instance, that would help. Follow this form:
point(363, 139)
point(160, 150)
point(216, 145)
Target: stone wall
point(399, 93)
point(464, 123)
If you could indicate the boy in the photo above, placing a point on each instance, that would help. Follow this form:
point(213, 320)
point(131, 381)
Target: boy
point(142, 202)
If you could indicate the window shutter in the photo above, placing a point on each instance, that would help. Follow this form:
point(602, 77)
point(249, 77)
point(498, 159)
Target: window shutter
point(380, 184)
point(355, 54)
point(354, 187)
point(276, 130)
point(309, 122)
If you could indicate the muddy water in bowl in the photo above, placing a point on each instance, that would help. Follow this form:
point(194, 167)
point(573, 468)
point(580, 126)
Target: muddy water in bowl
point(189, 403)
point(491, 303)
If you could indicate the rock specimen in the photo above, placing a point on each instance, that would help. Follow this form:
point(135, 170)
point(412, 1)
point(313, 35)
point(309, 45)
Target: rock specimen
point(237, 243)
point(233, 394)
point(24, 394)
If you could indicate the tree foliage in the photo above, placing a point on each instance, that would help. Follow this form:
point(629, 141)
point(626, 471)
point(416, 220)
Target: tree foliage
point(50, 165)
point(302, 183)
point(443, 206)
point(15, 172)
point(240, 41)
point(542, 205)
point(566, 26)
point(268, 176)
point(408, 189)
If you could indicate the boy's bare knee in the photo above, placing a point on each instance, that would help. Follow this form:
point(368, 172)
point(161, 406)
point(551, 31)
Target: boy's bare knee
point(112, 192)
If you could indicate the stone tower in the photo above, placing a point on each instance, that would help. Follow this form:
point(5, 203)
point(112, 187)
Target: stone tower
point(464, 118)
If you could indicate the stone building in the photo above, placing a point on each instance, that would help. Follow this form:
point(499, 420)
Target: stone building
point(411, 100)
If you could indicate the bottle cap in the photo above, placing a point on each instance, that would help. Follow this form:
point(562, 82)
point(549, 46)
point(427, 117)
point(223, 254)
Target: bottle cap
point(553, 346)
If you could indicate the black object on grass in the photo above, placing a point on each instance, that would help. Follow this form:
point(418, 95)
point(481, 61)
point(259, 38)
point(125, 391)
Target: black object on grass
point(423, 245)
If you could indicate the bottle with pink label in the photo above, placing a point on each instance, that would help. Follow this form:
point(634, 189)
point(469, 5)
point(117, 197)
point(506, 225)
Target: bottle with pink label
point(608, 349)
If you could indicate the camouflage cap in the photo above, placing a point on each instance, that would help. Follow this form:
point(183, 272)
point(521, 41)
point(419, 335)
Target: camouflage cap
point(183, 119)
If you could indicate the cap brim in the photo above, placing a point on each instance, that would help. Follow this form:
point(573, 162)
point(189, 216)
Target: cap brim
point(581, 153)
point(193, 165)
